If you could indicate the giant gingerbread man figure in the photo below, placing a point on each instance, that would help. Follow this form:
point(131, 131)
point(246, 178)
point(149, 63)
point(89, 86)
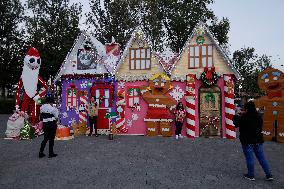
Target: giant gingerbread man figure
point(271, 81)
point(158, 118)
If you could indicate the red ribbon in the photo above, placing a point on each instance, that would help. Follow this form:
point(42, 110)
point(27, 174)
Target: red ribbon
point(209, 73)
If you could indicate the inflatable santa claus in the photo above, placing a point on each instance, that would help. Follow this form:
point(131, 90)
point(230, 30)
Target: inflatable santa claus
point(29, 80)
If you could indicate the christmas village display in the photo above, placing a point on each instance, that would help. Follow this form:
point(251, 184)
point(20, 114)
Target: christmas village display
point(137, 90)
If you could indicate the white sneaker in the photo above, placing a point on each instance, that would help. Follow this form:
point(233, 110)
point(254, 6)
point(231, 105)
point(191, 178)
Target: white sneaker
point(176, 136)
point(180, 136)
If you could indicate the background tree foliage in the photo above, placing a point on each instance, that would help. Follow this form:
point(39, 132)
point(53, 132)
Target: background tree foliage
point(249, 64)
point(52, 26)
point(11, 42)
point(164, 21)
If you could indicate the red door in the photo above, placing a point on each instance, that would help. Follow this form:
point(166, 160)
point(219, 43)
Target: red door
point(102, 121)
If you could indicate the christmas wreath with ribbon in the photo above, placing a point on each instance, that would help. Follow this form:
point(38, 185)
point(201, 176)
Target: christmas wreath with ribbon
point(209, 77)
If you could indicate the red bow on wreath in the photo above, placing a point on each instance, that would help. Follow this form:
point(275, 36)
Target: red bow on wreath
point(209, 72)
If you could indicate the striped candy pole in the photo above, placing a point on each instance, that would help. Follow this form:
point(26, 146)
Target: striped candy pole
point(83, 115)
point(190, 105)
point(120, 108)
point(229, 106)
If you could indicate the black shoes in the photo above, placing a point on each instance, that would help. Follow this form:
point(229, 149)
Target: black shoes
point(52, 155)
point(41, 155)
point(269, 178)
point(246, 176)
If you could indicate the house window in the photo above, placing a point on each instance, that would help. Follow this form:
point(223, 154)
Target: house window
point(102, 97)
point(72, 96)
point(133, 96)
point(200, 56)
point(140, 59)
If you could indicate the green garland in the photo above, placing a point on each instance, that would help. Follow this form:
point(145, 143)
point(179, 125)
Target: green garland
point(207, 82)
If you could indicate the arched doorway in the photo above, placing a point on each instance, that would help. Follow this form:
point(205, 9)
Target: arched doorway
point(210, 121)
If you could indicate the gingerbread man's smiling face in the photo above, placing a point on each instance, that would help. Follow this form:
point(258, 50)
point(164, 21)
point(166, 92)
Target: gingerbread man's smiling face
point(271, 79)
point(160, 84)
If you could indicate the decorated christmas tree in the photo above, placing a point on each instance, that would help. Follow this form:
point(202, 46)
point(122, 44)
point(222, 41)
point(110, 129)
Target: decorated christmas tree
point(27, 132)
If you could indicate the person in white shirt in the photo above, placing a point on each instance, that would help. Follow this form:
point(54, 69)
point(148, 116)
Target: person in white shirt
point(49, 115)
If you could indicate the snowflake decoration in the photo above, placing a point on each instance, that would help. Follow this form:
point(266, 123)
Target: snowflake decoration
point(72, 121)
point(64, 115)
point(119, 109)
point(84, 84)
point(129, 122)
point(134, 117)
point(110, 62)
point(177, 93)
point(121, 85)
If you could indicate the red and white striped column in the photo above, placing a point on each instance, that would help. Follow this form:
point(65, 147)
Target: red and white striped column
point(190, 105)
point(229, 106)
point(83, 114)
point(120, 108)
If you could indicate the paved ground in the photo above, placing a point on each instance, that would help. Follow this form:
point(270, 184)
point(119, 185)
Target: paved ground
point(133, 162)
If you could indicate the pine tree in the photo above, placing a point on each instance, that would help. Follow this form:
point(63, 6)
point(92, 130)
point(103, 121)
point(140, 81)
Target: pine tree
point(52, 28)
point(11, 42)
point(249, 64)
point(162, 20)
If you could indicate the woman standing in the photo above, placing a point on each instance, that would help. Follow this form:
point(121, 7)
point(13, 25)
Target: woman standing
point(179, 113)
point(93, 114)
point(250, 127)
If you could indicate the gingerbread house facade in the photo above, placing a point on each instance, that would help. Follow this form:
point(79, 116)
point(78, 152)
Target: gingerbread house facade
point(203, 78)
point(85, 73)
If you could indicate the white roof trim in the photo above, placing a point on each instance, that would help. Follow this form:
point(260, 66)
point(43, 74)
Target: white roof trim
point(77, 43)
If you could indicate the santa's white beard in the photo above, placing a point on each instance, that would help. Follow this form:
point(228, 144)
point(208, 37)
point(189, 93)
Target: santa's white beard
point(30, 80)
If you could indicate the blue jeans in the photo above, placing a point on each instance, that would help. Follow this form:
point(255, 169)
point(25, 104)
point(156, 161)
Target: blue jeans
point(248, 150)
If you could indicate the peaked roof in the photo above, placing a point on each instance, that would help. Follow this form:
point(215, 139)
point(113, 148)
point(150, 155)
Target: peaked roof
point(129, 43)
point(216, 43)
point(101, 51)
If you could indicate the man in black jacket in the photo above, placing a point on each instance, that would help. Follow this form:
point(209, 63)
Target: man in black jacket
point(49, 115)
point(250, 127)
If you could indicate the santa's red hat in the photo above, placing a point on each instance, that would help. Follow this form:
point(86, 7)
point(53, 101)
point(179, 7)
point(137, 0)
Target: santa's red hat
point(33, 52)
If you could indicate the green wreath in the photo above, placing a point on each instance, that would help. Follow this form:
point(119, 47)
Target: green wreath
point(200, 40)
point(208, 82)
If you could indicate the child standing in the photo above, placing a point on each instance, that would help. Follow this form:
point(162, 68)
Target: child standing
point(179, 113)
point(49, 115)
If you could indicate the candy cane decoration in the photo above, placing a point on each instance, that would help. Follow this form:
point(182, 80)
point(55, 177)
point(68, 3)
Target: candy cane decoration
point(229, 106)
point(120, 108)
point(190, 106)
point(83, 115)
